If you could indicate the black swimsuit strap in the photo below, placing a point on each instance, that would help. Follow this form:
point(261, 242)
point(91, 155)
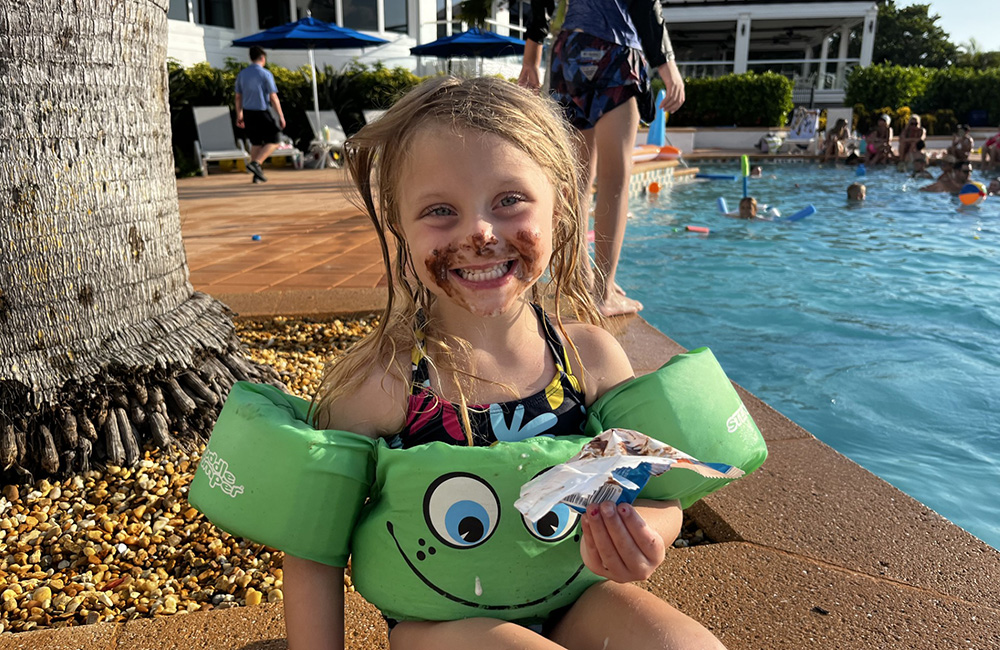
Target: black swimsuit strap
point(421, 374)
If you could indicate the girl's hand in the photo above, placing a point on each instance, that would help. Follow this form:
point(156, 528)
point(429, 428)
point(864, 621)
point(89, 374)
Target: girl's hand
point(618, 544)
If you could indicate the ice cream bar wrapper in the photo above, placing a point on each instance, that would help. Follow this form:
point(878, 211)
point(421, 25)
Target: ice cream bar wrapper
point(613, 466)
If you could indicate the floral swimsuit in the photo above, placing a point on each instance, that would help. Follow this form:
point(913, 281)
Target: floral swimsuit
point(558, 409)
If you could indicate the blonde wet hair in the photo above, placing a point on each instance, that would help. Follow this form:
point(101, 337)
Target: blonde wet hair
point(375, 158)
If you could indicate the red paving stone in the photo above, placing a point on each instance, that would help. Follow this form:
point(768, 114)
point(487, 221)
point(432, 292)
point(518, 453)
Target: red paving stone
point(311, 236)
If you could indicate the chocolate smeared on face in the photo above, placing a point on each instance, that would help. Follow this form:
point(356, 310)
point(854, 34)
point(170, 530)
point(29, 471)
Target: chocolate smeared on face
point(439, 263)
point(529, 248)
point(481, 243)
point(526, 252)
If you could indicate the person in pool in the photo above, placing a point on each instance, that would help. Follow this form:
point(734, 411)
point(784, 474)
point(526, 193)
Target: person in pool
point(856, 192)
point(994, 187)
point(747, 210)
point(951, 182)
point(920, 162)
point(879, 142)
point(909, 139)
point(962, 144)
point(834, 146)
point(991, 151)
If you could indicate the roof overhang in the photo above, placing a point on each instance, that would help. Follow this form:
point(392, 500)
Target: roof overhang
point(698, 29)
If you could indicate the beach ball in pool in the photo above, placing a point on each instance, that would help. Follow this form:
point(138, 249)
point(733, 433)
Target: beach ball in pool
point(972, 193)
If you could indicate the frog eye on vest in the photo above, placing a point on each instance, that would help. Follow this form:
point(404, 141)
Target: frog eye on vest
point(462, 510)
point(554, 525)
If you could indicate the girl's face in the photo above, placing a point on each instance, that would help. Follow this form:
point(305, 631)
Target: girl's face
point(476, 213)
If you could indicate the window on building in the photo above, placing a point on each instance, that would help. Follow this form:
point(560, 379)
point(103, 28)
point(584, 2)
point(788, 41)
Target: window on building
point(218, 13)
point(443, 16)
point(325, 10)
point(272, 13)
point(395, 15)
point(178, 10)
point(360, 14)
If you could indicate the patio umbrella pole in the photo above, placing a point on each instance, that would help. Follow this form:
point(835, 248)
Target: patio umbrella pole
point(312, 65)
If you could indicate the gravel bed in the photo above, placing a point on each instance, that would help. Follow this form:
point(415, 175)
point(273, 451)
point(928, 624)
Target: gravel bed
point(121, 544)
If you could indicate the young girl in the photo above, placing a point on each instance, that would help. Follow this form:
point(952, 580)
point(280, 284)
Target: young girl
point(476, 183)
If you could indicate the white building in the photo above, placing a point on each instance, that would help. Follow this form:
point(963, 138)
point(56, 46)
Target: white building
point(813, 42)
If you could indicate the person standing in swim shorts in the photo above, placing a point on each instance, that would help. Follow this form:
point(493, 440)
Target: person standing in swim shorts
point(255, 89)
point(598, 71)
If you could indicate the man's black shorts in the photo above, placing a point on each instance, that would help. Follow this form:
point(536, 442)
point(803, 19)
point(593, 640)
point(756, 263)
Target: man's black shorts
point(260, 128)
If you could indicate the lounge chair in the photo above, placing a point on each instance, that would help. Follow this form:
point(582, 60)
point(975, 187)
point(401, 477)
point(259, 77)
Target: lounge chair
point(372, 114)
point(215, 137)
point(802, 131)
point(329, 141)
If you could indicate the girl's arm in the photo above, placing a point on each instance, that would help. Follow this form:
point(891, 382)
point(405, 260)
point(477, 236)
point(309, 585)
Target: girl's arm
point(626, 543)
point(314, 604)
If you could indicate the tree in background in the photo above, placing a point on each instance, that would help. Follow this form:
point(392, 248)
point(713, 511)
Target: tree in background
point(972, 55)
point(104, 345)
point(909, 36)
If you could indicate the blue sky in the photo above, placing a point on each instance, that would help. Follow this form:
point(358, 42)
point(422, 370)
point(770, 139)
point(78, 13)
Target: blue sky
point(979, 19)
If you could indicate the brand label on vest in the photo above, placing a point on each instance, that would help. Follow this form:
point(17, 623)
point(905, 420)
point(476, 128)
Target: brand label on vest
point(218, 474)
point(737, 419)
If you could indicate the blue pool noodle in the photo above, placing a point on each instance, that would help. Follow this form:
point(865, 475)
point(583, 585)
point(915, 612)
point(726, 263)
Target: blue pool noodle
point(658, 127)
point(801, 214)
point(716, 177)
point(723, 208)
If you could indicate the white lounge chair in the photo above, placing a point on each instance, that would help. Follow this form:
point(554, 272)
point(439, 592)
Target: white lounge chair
point(372, 114)
point(329, 140)
point(802, 131)
point(215, 137)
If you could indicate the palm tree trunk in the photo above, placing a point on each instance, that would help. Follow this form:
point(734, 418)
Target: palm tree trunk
point(104, 345)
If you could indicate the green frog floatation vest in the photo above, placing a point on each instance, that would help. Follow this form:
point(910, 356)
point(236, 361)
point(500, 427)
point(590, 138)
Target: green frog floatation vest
point(432, 530)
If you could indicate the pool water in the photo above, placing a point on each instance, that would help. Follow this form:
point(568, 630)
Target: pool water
point(875, 326)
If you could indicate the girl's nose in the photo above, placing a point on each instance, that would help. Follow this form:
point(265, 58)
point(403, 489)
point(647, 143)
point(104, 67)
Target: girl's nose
point(482, 237)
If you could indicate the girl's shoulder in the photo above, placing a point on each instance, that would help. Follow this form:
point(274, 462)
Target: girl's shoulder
point(605, 364)
point(377, 406)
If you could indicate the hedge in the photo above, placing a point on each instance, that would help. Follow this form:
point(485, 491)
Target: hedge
point(748, 99)
point(943, 97)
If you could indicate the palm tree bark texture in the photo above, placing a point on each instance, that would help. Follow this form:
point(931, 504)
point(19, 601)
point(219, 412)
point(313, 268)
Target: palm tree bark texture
point(104, 344)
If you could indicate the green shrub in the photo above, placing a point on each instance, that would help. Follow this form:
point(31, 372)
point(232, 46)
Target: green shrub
point(748, 99)
point(886, 85)
point(955, 92)
point(963, 90)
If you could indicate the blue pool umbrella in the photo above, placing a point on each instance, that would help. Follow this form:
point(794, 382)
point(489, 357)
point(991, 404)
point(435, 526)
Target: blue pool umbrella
point(474, 42)
point(310, 34)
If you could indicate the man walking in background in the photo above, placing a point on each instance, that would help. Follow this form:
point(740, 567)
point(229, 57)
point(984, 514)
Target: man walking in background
point(255, 89)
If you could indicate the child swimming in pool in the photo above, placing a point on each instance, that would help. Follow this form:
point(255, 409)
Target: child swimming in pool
point(476, 184)
point(856, 192)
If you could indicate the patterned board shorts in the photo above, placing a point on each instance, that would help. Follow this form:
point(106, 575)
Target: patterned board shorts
point(591, 76)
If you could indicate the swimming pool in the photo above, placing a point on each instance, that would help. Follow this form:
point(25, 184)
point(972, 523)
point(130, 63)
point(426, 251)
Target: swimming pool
point(875, 326)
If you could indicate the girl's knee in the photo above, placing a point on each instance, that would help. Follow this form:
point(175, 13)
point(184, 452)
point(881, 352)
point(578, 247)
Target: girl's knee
point(632, 617)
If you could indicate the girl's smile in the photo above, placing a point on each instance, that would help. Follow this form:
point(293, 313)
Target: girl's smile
point(476, 213)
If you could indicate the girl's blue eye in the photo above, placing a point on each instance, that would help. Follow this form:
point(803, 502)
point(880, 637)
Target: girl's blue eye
point(555, 525)
point(511, 199)
point(439, 211)
point(462, 510)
